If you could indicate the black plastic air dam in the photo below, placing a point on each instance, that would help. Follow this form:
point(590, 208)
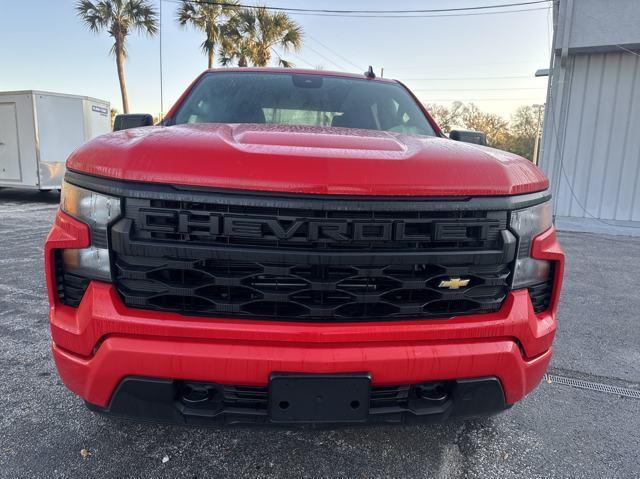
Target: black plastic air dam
point(201, 403)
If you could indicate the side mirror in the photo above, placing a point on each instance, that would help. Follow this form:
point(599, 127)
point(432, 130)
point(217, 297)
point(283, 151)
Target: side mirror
point(124, 122)
point(467, 136)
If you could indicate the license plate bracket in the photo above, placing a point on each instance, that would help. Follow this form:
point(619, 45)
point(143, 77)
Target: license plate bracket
point(319, 398)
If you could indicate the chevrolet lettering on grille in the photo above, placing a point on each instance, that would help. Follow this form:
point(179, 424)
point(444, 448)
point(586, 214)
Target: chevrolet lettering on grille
point(205, 224)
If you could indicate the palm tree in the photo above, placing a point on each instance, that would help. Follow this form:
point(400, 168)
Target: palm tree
point(208, 17)
point(252, 34)
point(118, 18)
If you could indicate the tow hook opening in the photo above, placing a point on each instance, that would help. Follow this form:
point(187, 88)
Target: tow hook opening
point(433, 392)
point(199, 395)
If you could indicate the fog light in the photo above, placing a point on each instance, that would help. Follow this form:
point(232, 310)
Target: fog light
point(89, 262)
point(527, 224)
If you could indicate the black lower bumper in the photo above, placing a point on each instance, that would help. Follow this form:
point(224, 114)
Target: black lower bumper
point(191, 402)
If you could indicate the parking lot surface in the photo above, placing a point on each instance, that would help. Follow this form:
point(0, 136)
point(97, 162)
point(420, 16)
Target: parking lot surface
point(557, 431)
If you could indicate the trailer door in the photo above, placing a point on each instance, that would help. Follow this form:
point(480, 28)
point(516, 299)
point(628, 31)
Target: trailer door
point(60, 130)
point(9, 150)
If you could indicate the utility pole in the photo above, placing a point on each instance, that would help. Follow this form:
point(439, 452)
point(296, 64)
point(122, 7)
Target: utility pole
point(160, 38)
point(536, 146)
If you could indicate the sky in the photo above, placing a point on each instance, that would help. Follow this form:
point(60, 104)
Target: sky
point(487, 59)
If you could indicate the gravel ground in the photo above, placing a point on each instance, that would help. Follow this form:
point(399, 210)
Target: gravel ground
point(558, 431)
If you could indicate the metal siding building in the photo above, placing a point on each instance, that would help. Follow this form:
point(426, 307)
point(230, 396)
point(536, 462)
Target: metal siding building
point(591, 139)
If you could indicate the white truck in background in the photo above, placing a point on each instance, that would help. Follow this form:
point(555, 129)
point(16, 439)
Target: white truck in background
point(39, 130)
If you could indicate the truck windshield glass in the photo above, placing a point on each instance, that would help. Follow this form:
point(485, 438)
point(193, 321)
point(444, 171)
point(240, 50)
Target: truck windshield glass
point(303, 99)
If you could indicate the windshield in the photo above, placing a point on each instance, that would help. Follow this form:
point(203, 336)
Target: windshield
point(302, 99)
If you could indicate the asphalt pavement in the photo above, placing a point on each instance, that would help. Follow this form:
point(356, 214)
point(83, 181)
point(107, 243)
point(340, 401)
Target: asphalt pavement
point(557, 431)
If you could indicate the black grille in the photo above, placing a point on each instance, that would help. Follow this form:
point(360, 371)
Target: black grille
point(70, 287)
point(271, 290)
point(384, 398)
point(255, 399)
point(334, 260)
point(246, 397)
point(541, 296)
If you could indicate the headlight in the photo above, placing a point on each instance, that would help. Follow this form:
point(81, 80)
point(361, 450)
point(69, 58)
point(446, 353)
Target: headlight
point(95, 209)
point(98, 211)
point(528, 224)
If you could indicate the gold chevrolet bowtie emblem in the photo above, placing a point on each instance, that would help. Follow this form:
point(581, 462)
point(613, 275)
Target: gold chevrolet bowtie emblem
point(454, 283)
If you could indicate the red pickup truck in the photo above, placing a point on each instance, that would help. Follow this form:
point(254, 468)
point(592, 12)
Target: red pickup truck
point(293, 246)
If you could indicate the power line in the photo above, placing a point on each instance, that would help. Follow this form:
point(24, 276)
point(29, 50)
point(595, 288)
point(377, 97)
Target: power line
point(334, 52)
point(349, 12)
point(434, 100)
point(466, 65)
point(326, 58)
point(477, 89)
point(160, 60)
point(458, 12)
point(301, 59)
point(467, 78)
point(627, 50)
point(428, 15)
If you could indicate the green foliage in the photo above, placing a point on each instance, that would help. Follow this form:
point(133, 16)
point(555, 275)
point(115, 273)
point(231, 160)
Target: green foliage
point(113, 112)
point(518, 135)
point(118, 18)
point(252, 34)
point(208, 18)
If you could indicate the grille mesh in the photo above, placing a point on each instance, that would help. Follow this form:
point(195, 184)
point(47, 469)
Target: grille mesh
point(210, 287)
point(70, 287)
point(319, 261)
point(382, 398)
point(541, 295)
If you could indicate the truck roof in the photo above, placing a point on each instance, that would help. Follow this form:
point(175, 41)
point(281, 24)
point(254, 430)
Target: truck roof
point(305, 71)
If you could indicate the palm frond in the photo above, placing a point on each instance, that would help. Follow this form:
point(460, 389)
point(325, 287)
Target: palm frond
point(282, 62)
point(91, 15)
point(212, 19)
point(189, 14)
point(141, 16)
point(292, 39)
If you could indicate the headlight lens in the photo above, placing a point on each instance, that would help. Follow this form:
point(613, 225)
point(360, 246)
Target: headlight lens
point(95, 209)
point(98, 211)
point(528, 224)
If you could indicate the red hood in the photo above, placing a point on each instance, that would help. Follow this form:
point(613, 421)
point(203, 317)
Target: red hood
point(306, 160)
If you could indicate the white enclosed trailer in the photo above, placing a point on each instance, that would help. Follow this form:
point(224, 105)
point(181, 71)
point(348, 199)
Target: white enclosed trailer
point(39, 130)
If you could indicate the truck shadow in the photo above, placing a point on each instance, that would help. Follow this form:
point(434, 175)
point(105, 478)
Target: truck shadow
point(427, 450)
point(21, 195)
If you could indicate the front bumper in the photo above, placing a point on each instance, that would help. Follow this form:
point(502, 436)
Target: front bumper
point(102, 342)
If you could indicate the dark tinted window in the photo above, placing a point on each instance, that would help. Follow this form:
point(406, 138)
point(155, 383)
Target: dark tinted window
point(299, 99)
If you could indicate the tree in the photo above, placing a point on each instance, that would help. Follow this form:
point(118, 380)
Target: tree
point(446, 118)
point(469, 117)
point(112, 115)
point(209, 18)
point(493, 125)
point(251, 36)
point(517, 135)
point(524, 129)
point(118, 18)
